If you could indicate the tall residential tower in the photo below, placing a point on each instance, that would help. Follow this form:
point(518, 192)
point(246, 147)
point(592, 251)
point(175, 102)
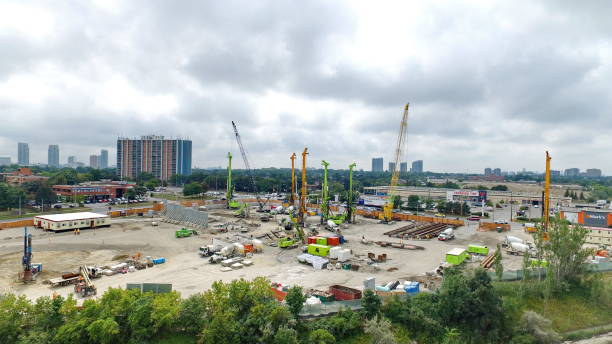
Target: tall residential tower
point(53, 156)
point(153, 154)
point(23, 154)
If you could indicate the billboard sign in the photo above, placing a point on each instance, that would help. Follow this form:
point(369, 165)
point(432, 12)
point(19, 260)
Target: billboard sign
point(594, 219)
point(571, 217)
point(476, 195)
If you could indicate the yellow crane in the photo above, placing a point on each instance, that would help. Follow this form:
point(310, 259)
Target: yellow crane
point(546, 208)
point(302, 212)
point(387, 214)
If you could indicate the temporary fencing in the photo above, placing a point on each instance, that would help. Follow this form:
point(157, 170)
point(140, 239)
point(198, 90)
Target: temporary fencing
point(535, 273)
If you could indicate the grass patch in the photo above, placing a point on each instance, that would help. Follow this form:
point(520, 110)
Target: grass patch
point(587, 333)
point(571, 311)
point(8, 216)
point(175, 339)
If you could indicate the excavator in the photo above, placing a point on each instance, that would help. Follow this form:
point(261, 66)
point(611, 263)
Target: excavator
point(387, 214)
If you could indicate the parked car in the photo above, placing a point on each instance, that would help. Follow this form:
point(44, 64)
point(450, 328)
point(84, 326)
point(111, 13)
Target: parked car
point(440, 215)
point(474, 218)
point(57, 206)
point(501, 222)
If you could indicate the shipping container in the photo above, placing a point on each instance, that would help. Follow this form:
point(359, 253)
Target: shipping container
point(343, 293)
point(456, 256)
point(321, 241)
point(333, 241)
point(318, 250)
point(478, 249)
point(312, 240)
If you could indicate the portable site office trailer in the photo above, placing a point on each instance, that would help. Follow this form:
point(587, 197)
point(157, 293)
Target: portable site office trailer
point(71, 221)
point(456, 256)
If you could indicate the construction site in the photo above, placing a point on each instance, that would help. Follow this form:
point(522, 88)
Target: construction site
point(321, 247)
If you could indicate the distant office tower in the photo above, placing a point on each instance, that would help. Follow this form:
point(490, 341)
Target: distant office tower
point(53, 156)
point(593, 172)
point(403, 167)
point(103, 161)
point(417, 166)
point(488, 171)
point(153, 154)
point(572, 172)
point(497, 172)
point(555, 173)
point(5, 160)
point(23, 154)
point(391, 166)
point(71, 159)
point(377, 165)
point(94, 161)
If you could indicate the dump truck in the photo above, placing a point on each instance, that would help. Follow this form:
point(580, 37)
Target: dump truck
point(184, 232)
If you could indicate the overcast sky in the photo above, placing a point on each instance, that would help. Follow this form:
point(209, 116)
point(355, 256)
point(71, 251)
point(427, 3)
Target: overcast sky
point(490, 84)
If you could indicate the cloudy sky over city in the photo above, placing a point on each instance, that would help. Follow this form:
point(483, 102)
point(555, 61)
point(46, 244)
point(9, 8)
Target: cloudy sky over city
point(490, 84)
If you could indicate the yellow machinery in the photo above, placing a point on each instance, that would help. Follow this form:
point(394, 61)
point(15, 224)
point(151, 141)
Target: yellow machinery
point(302, 212)
point(387, 214)
point(292, 200)
point(546, 208)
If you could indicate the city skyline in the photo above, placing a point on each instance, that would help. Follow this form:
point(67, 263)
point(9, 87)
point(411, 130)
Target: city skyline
point(344, 105)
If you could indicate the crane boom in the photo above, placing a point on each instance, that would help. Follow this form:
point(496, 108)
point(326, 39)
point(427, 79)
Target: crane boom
point(546, 208)
point(248, 167)
point(387, 215)
point(292, 200)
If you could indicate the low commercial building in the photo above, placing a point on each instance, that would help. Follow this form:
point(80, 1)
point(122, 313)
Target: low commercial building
point(22, 175)
point(380, 192)
point(71, 221)
point(94, 190)
point(597, 221)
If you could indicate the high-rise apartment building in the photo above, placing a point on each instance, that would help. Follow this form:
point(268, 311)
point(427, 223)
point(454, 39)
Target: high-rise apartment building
point(23, 154)
point(488, 171)
point(53, 156)
point(94, 161)
point(571, 172)
point(555, 173)
point(377, 165)
point(593, 172)
point(403, 167)
point(497, 171)
point(153, 154)
point(103, 161)
point(391, 166)
point(5, 160)
point(417, 166)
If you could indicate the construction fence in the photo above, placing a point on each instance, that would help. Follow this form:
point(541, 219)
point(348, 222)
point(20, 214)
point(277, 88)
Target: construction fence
point(406, 217)
point(335, 306)
point(154, 287)
point(535, 273)
point(16, 224)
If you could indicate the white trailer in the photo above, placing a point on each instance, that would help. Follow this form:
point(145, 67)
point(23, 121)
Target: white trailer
point(71, 221)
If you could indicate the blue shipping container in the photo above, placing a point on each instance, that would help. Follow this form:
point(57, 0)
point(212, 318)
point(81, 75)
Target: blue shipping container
point(159, 260)
point(412, 288)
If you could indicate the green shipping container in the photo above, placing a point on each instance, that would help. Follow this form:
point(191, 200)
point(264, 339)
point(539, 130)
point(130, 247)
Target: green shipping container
point(318, 250)
point(321, 241)
point(456, 256)
point(477, 249)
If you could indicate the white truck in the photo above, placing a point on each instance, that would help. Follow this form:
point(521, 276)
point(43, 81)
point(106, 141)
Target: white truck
point(447, 234)
point(519, 249)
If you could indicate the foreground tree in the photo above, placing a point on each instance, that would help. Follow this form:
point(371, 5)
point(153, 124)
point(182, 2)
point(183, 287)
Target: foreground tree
point(295, 300)
point(565, 253)
point(380, 330)
point(371, 304)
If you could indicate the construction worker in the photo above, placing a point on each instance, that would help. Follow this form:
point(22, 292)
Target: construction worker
point(78, 231)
